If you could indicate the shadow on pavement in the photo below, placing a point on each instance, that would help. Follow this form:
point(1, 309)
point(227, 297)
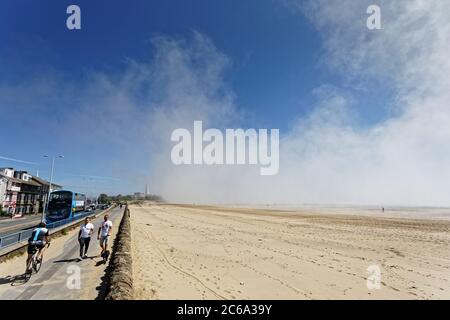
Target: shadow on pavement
point(99, 263)
point(67, 260)
point(104, 285)
point(14, 280)
point(75, 259)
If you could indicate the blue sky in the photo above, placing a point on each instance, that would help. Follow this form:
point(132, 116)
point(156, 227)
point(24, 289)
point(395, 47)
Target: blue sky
point(275, 66)
point(272, 50)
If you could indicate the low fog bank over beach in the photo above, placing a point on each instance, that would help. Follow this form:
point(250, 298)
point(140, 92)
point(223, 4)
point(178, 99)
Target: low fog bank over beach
point(442, 213)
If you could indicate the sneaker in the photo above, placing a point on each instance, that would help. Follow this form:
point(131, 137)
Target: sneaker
point(85, 256)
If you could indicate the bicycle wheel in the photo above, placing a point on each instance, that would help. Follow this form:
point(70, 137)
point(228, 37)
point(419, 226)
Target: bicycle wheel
point(37, 265)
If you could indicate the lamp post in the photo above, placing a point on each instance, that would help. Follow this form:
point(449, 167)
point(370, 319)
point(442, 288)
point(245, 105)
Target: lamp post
point(50, 185)
point(89, 192)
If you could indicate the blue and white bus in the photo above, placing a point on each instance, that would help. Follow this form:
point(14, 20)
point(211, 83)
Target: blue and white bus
point(64, 204)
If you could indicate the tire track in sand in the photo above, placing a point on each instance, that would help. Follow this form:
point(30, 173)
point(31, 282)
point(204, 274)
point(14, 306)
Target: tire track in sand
point(179, 269)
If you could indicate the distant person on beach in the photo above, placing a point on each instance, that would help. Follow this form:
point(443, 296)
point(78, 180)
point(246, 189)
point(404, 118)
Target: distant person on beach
point(104, 233)
point(382, 209)
point(84, 237)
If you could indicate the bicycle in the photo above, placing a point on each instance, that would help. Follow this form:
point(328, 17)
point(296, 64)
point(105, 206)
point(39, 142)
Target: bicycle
point(35, 264)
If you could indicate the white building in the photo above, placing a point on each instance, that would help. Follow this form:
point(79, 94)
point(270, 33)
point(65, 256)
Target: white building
point(21, 193)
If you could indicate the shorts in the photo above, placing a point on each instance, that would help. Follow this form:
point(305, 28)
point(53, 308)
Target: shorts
point(104, 240)
point(34, 246)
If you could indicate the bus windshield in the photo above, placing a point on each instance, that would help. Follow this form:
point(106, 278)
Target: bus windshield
point(60, 204)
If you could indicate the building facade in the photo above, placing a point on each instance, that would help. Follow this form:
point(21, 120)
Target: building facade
point(21, 193)
point(44, 190)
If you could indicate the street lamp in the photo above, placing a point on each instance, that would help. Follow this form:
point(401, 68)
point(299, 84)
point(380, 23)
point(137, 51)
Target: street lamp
point(50, 185)
point(89, 189)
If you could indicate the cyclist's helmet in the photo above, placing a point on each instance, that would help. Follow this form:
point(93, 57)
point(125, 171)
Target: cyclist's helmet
point(42, 225)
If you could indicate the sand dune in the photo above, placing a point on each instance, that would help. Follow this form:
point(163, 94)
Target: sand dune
point(195, 252)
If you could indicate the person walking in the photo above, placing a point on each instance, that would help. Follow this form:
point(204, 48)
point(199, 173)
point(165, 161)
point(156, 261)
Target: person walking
point(103, 234)
point(84, 237)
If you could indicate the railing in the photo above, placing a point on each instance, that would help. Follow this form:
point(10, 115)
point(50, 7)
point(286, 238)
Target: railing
point(13, 238)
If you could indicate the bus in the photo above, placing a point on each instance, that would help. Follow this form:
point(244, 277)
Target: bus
point(64, 204)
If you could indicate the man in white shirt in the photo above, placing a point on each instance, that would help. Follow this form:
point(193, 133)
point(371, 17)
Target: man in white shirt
point(104, 232)
point(84, 237)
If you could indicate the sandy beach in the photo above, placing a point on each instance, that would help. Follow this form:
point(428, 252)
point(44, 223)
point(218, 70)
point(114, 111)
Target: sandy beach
point(205, 252)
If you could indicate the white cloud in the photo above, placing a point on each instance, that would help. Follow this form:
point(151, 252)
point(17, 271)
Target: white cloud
point(404, 159)
point(328, 157)
point(128, 114)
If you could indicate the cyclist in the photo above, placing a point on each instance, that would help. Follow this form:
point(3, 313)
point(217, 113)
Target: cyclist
point(37, 241)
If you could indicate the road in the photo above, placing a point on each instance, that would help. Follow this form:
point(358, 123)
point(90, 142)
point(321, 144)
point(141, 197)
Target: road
point(8, 226)
point(62, 276)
